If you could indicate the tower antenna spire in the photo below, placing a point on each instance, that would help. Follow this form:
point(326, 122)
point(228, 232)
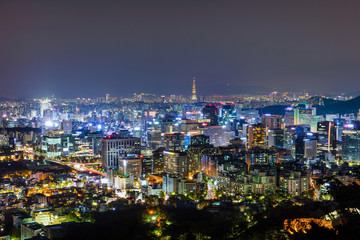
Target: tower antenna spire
point(193, 96)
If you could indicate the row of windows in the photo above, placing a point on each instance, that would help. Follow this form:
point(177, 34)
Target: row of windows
point(122, 144)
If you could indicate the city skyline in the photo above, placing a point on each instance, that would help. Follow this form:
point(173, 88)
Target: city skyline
point(179, 119)
point(89, 49)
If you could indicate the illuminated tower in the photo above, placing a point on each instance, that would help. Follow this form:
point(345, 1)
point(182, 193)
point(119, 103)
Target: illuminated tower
point(193, 97)
point(326, 136)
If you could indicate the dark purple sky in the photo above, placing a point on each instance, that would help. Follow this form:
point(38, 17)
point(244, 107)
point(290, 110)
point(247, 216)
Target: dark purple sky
point(89, 48)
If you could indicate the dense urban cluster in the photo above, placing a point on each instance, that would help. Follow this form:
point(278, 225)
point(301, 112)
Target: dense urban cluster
point(278, 166)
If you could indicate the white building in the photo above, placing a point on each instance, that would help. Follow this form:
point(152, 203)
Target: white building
point(113, 148)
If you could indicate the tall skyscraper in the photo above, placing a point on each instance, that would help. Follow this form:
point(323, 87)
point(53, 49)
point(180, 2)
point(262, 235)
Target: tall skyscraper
point(158, 161)
point(276, 138)
point(327, 136)
point(351, 142)
point(193, 96)
point(289, 116)
point(256, 136)
point(211, 112)
point(303, 114)
point(227, 115)
point(310, 146)
point(114, 147)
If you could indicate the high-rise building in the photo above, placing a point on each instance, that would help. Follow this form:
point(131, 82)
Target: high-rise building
point(303, 114)
point(167, 125)
point(158, 161)
point(289, 117)
point(58, 145)
point(130, 166)
point(51, 146)
point(174, 142)
point(340, 124)
point(295, 182)
point(351, 142)
point(218, 135)
point(192, 126)
point(193, 96)
point(276, 138)
point(249, 115)
point(299, 148)
point(200, 145)
point(146, 164)
point(114, 147)
point(107, 98)
point(291, 133)
point(227, 115)
point(314, 121)
point(176, 163)
point(327, 137)
point(310, 146)
point(271, 121)
point(170, 183)
point(200, 140)
point(256, 136)
point(210, 111)
point(154, 138)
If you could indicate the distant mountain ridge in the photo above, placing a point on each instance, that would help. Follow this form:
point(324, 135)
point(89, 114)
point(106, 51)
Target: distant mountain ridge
point(330, 106)
point(335, 106)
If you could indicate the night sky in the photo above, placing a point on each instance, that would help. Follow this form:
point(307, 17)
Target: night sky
point(90, 48)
